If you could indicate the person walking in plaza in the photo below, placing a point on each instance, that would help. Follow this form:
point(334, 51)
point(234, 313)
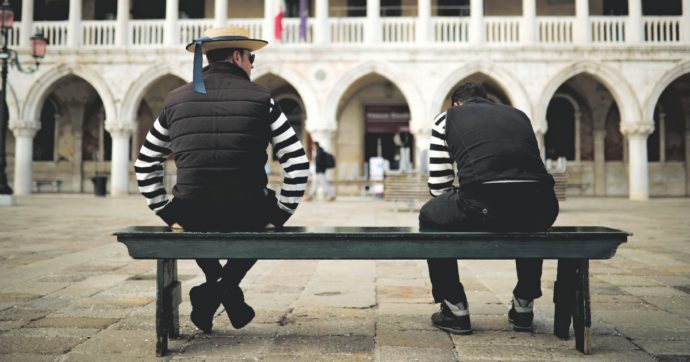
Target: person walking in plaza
point(218, 128)
point(504, 186)
point(322, 161)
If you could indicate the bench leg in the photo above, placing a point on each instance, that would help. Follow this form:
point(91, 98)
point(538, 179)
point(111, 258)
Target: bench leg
point(571, 296)
point(582, 319)
point(564, 298)
point(168, 298)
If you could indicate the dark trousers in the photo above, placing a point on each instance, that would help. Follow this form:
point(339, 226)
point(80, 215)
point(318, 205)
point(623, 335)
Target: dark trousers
point(489, 207)
point(223, 216)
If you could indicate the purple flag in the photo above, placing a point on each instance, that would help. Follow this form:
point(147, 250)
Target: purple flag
point(303, 15)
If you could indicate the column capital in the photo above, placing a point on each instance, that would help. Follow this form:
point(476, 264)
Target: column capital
point(637, 129)
point(25, 128)
point(118, 128)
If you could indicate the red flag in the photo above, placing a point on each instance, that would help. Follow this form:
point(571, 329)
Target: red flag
point(278, 33)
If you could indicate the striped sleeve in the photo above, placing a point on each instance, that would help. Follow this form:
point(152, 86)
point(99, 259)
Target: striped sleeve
point(149, 165)
point(292, 158)
point(440, 163)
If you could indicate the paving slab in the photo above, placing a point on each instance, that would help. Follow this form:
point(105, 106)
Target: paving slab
point(77, 296)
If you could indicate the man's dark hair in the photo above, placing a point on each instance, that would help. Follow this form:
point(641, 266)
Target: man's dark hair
point(221, 55)
point(468, 90)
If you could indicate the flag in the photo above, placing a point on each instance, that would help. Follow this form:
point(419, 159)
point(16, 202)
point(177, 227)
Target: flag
point(303, 15)
point(279, 20)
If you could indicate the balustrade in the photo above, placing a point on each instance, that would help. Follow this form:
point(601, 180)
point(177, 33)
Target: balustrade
point(502, 30)
point(602, 30)
point(191, 29)
point(347, 30)
point(54, 31)
point(146, 33)
point(664, 29)
point(555, 30)
point(450, 29)
point(96, 33)
point(291, 31)
point(608, 29)
point(13, 35)
point(399, 29)
point(254, 26)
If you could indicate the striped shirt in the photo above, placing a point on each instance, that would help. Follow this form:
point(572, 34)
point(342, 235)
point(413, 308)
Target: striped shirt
point(288, 148)
point(441, 174)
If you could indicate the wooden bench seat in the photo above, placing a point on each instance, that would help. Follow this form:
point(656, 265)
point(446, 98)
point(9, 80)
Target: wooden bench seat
point(572, 246)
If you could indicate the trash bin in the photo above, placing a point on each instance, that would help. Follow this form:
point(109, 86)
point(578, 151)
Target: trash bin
point(99, 183)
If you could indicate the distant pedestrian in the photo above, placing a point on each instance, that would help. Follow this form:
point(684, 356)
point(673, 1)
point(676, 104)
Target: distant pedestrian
point(322, 161)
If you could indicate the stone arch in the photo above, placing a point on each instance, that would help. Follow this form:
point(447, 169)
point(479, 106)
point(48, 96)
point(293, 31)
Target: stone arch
point(392, 74)
point(508, 83)
point(141, 85)
point(12, 105)
point(298, 82)
point(42, 87)
point(664, 82)
point(573, 102)
point(613, 81)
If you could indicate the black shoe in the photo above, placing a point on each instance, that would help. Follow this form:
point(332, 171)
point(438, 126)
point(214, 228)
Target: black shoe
point(239, 312)
point(447, 321)
point(522, 322)
point(205, 301)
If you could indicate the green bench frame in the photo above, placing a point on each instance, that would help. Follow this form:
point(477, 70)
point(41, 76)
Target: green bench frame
point(572, 246)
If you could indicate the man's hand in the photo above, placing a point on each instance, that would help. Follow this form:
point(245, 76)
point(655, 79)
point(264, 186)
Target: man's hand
point(176, 226)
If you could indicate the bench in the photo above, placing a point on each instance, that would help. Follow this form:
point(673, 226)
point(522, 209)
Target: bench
point(406, 187)
point(572, 246)
point(54, 183)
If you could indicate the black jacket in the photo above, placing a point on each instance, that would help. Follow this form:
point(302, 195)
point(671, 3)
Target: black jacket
point(491, 142)
point(219, 139)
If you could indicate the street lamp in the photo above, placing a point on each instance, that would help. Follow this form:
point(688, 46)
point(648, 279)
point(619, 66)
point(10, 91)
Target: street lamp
point(9, 56)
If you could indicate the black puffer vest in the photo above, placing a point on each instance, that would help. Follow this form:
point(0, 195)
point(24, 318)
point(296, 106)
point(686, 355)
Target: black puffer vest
point(492, 142)
point(219, 138)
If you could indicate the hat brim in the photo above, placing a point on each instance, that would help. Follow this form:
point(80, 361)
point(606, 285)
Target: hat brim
point(251, 44)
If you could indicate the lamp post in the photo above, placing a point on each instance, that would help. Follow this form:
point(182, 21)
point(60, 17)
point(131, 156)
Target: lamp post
point(10, 57)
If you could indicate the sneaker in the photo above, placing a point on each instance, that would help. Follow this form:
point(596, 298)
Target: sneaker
point(521, 314)
point(239, 312)
point(446, 320)
point(205, 301)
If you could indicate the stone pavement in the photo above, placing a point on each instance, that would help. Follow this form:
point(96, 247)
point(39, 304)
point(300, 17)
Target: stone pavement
point(70, 292)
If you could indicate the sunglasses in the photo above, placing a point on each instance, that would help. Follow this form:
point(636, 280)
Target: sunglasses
point(251, 58)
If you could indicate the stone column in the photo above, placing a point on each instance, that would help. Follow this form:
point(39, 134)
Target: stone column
point(373, 31)
point(539, 134)
point(74, 27)
point(172, 30)
point(529, 22)
point(424, 31)
point(322, 33)
point(422, 140)
point(662, 136)
point(221, 13)
point(325, 138)
point(27, 26)
point(269, 20)
point(476, 35)
point(122, 27)
point(581, 30)
point(120, 133)
point(599, 162)
point(638, 165)
point(633, 28)
point(24, 133)
point(685, 26)
point(578, 137)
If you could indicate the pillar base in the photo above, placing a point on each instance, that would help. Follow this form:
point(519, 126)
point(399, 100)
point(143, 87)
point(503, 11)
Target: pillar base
point(7, 200)
point(639, 197)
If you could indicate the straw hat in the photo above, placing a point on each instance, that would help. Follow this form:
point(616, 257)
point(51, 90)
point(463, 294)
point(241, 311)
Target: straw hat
point(226, 37)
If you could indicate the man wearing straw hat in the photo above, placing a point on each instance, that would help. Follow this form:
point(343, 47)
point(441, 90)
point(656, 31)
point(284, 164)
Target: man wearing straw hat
point(218, 128)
